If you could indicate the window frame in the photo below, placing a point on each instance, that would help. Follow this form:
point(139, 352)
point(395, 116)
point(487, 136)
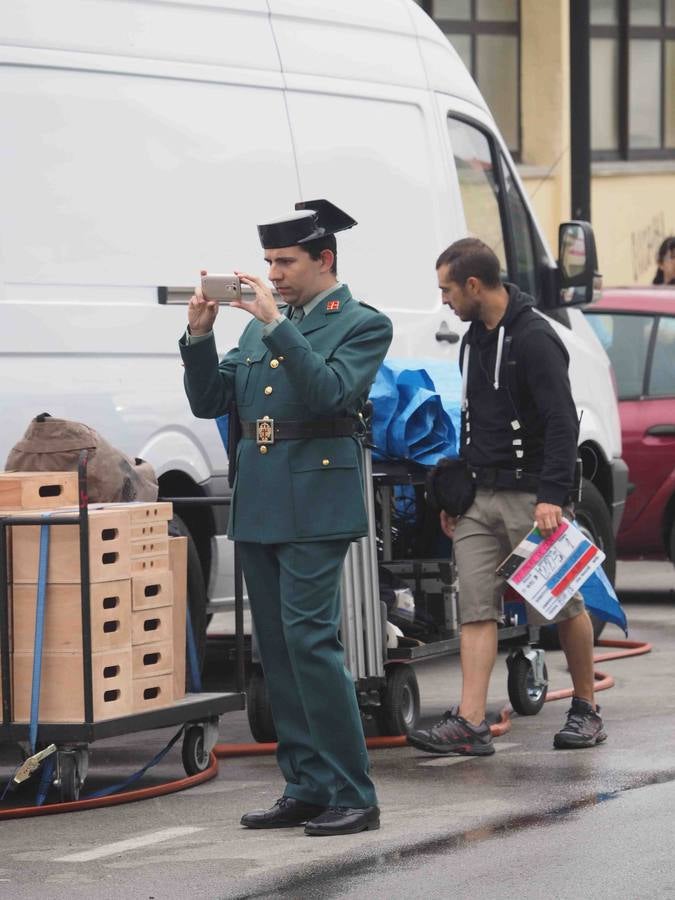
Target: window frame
point(473, 27)
point(499, 159)
point(623, 33)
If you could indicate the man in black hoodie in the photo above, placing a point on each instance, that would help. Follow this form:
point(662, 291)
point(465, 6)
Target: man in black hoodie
point(519, 437)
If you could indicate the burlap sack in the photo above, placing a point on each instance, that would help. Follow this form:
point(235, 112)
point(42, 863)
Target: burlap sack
point(54, 445)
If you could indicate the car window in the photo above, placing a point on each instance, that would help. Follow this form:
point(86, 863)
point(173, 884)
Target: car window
point(525, 275)
point(662, 375)
point(626, 340)
point(478, 186)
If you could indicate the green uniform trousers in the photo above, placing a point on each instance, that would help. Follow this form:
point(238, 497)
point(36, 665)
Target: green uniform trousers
point(294, 594)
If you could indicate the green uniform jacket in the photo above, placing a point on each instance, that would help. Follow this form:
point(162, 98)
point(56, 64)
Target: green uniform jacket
point(300, 490)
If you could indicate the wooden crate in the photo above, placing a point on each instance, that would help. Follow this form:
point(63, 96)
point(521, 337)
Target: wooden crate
point(143, 513)
point(151, 589)
point(148, 660)
point(38, 490)
point(110, 609)
point(158, 545)
point(151, 626)
point(148, 530)
point(109, 550)
point(151, 693)
point(149, 564)
point(62, 686)
point(178, 562)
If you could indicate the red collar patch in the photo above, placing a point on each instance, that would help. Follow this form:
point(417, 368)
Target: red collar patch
point(333, 306)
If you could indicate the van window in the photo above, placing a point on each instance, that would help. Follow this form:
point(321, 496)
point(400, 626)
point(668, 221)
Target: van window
point(478, 186)
point(481, 171)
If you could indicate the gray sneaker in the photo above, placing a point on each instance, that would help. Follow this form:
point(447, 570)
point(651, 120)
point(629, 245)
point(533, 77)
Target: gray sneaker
point(453, 734)
point(583, 727)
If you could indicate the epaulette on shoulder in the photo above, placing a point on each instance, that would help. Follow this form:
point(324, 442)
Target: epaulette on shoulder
point(368, 306)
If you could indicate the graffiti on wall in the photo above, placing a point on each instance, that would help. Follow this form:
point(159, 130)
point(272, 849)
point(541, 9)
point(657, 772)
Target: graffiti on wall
point(645, 242)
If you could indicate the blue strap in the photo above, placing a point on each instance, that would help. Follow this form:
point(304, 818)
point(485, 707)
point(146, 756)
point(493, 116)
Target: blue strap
point(194, 674)
point(105, 792)
point(46, 778)
point(39, 632)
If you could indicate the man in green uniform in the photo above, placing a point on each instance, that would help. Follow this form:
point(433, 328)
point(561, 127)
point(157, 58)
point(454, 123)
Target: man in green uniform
point(300, 376)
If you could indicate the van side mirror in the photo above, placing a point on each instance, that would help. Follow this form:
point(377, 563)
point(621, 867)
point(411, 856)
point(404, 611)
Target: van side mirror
point(579, 279)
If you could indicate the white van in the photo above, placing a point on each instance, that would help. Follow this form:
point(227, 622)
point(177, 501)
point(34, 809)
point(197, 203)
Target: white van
point(145, 140)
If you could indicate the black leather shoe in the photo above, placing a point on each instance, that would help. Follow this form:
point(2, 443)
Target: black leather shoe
point(287, 812)
point(344, 820)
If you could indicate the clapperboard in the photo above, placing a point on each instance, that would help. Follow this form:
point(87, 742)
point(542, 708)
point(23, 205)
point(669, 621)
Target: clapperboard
point(547, 572)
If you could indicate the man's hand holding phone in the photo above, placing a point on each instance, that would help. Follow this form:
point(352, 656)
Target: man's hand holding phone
point(202, 312)
point(263, 306)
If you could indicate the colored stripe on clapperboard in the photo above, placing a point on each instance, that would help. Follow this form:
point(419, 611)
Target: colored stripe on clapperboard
point(574, 571)
point(543, 547)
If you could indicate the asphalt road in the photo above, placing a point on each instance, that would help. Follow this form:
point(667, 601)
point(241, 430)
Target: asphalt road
point(527, 822)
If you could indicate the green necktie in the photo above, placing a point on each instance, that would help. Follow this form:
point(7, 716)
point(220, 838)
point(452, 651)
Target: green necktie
point(298, 315)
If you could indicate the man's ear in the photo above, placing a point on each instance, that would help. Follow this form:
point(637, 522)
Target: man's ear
point(327, 260)
point(473, 284)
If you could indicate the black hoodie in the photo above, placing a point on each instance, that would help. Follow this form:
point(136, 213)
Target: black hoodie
point(519, 411)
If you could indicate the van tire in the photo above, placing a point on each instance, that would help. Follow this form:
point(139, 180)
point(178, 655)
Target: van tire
point(594, 518)
point(196, 592)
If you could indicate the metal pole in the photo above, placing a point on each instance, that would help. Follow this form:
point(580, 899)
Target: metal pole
point(377, 665)
point(239, 619)
point(85, 588)
point(580, 109)
point(4, 629)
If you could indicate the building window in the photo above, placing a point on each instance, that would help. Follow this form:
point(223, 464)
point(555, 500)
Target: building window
point(632, 79)
point(486, 35)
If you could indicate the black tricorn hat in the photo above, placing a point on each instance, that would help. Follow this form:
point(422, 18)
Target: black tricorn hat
point(313, 219)
point(450, 486)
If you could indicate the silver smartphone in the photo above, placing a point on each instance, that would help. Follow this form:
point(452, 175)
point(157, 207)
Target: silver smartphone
point(224, 288)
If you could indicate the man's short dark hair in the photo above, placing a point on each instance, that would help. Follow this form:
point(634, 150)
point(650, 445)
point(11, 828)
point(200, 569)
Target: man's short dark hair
point(471, 258)
point(315, 248)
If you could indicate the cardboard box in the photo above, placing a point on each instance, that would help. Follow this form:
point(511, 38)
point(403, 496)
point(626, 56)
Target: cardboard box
point(109, 550)
point(62, 686)
point(38, 490)
point(151, 693)
point(151, 626)
point(178, 563)
point(110, 611)
point(150, 590)
point(148, 660)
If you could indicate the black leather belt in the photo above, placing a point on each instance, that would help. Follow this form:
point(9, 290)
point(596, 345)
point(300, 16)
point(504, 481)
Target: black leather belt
point(267, 430)
point(505, 479)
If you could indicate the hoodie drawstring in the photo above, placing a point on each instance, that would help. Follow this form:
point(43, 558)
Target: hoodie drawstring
point(498, 361)
point(465, 374)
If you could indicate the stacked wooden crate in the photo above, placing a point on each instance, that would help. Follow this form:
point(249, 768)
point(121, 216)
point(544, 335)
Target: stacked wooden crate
point(137, 587)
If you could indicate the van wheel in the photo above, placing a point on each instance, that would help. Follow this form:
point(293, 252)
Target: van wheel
point(196, 591)
point(596, 523)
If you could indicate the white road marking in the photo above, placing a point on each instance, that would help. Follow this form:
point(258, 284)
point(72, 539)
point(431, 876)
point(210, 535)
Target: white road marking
point(143, 840)
point(453, 760)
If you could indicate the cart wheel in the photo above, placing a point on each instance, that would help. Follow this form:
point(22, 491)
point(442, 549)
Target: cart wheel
point(259, 710)
point(68, 777)
point(195, 755)
point(400, 701)
point(526, 697)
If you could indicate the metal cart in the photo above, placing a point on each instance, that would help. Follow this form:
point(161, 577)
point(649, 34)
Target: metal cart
point(198, 712)
point(384, 678)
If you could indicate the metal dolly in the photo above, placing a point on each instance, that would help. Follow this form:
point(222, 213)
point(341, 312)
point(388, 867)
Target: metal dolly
point(198, 712)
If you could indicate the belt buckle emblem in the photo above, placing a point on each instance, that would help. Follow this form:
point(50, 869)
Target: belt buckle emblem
point(264, 431)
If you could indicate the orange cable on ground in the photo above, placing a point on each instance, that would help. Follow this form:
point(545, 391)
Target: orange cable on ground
point(229, 751)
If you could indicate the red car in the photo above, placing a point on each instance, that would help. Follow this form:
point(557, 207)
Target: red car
point(636, 326)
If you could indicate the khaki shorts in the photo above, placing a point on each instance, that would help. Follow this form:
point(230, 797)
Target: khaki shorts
point(485, 535)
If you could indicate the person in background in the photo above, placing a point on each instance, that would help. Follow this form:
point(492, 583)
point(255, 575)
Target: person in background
point(665, 261)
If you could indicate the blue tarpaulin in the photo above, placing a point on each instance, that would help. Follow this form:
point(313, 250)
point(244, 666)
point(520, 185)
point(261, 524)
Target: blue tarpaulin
point(416, 410)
